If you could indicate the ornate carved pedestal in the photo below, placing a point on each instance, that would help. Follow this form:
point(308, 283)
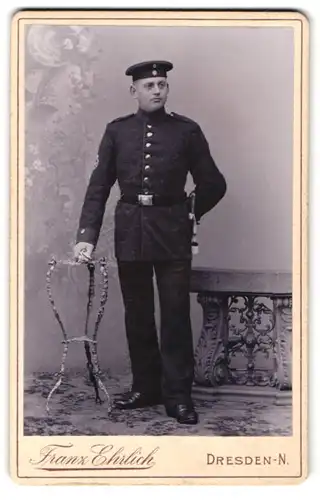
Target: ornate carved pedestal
point(211, 352)
point(245, 340)
point(283, 341)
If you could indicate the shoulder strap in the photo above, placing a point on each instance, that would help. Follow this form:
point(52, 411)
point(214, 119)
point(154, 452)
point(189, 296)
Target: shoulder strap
point(182, 118)
point(122, 118)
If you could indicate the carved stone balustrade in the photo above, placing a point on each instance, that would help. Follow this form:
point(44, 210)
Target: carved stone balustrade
point(246, 335)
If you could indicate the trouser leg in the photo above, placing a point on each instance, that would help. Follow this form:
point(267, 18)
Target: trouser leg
point(138, 297)
point(173, 279)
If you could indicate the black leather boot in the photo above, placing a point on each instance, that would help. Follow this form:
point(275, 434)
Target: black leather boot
point(135, 399)
point(183, 413)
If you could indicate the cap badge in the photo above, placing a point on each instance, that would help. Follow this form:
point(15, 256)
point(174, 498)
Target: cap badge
point(154, 72)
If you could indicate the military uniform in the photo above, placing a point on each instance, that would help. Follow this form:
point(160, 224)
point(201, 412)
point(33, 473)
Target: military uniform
point(150, 155)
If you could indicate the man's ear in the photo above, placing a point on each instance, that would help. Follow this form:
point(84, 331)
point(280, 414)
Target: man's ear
point(133, 91)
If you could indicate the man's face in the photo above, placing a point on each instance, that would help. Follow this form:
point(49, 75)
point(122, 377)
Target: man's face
point(151, 93)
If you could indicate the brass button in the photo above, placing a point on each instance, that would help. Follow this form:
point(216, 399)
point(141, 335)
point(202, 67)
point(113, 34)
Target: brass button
point(146, 179)
point(149, 126)
point(147, 167)
point(149, 134)
point(148, 145)
point(147, 156)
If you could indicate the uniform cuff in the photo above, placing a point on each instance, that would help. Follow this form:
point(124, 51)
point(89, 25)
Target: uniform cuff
point(87, 235)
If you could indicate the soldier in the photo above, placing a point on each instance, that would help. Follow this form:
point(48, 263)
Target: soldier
point(150, 154)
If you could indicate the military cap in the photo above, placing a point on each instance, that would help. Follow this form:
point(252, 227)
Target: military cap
point(148, 69)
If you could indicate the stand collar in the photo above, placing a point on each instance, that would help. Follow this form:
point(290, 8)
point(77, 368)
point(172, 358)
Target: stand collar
point(152, 117)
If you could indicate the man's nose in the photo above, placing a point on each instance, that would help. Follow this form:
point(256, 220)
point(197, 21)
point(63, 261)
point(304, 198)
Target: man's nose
point(156, 89)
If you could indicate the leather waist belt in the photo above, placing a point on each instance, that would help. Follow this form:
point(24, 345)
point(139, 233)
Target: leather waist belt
point(149, 200)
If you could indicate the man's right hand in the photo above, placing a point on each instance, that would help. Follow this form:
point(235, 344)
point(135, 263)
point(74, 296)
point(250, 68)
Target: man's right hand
point(83, 251)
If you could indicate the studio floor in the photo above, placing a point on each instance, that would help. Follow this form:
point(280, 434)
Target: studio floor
point(73, 411)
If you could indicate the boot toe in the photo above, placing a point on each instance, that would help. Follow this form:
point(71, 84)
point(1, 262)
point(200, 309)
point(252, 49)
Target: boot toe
point(135, 399)
point(184, 414)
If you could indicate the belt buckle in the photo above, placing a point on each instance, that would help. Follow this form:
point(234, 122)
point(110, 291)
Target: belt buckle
point(145, 199)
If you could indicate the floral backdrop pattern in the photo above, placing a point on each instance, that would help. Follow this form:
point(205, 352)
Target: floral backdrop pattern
point(64, 93)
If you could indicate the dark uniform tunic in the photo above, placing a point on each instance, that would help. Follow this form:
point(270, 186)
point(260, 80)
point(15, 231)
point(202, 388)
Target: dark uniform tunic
point(152, 154)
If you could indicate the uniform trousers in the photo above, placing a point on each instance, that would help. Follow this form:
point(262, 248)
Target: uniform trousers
point(166, 365)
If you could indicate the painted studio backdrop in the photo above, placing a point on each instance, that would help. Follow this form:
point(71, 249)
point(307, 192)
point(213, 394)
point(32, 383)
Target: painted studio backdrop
point(237, 83)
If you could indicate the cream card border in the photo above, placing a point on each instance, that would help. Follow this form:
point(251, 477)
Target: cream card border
point(172, 460)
